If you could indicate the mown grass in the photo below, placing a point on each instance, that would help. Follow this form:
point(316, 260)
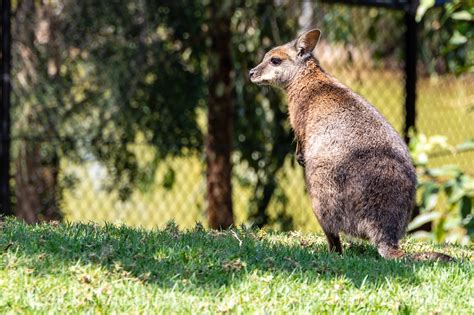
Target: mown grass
point(76, 268)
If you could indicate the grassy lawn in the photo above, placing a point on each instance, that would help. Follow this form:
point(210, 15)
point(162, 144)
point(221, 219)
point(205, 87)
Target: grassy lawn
point(87, 268)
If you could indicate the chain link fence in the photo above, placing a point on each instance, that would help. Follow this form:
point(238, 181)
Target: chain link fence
point(362, 47)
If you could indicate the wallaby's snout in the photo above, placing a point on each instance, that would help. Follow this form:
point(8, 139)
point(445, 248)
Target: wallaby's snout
point(255, 75)
point(251, 73)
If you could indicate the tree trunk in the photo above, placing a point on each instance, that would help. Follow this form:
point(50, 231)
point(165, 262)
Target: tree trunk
point(220, 125)
point(36, 185)
point(36, 162)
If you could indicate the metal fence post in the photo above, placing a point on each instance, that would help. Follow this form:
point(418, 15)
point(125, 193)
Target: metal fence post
point(5, 206)
point(411, 32)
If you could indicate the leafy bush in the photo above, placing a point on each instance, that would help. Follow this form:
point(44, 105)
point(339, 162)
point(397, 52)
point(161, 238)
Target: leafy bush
point(447, 31)
point(445, 194)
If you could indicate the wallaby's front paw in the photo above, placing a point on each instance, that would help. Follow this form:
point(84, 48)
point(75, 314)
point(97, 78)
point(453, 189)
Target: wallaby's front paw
point(300, 159)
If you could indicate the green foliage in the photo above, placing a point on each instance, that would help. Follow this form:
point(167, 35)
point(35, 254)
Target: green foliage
point(103, 76)
point(423, 7)
point(137, 72)
point(446, 194)
point(447, 36)
point(262, 131)
point(84, 268)
point(445, 33)
point(142, 56)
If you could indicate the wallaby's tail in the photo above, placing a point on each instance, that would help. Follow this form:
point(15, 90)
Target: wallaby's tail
point(394, 252)
point(429, 256)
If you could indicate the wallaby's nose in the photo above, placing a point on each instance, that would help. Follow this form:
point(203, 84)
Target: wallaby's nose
point(252, 72)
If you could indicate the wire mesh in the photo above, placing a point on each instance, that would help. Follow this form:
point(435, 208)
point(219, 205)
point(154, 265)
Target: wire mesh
point(362, 47)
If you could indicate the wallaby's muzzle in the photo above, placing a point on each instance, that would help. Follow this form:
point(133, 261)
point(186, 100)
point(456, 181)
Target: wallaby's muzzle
point(251, 73)
point(255, 76)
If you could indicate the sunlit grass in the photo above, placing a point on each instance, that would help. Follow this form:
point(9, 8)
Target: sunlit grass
point(61, 269)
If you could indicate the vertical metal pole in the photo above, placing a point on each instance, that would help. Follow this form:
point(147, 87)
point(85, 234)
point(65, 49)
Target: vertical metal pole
point(411, 30)
point(5, 206)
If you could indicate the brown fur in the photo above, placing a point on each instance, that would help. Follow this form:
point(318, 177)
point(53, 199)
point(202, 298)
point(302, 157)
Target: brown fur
point(358, 171)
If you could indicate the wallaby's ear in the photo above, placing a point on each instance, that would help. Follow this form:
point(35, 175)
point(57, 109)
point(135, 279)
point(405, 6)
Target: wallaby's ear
point(307, 42)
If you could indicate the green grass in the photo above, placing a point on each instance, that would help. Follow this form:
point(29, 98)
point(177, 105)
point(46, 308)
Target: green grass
point(76, 268)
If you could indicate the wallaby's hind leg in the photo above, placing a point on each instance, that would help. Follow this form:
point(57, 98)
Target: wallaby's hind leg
point(390, 251)
point(334, 242)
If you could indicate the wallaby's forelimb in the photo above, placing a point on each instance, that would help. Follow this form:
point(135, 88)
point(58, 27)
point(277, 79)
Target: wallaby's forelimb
point(299, 154)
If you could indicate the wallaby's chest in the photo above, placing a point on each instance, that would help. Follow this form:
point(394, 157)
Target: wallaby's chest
point(298, 121)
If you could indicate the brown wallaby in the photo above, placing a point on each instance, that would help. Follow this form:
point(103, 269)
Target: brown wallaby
point(358, 172)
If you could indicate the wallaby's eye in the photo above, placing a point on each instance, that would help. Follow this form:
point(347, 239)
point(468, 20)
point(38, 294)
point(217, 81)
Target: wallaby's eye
point(275, 61)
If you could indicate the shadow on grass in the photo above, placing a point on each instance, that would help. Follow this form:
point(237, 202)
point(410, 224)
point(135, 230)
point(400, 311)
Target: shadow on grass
point(197, 258)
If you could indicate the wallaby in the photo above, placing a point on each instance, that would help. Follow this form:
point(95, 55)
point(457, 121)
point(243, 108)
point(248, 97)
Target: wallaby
point(358, 172)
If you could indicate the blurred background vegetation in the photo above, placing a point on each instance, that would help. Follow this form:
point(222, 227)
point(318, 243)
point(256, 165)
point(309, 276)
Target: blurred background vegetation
point(111, 108)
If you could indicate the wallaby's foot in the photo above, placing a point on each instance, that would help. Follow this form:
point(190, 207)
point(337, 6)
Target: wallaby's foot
point(431, 256)
point(334, 242)
point(390, 251)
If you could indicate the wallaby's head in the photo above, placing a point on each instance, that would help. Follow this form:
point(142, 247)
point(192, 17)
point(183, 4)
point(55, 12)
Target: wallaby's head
point(280, 65)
